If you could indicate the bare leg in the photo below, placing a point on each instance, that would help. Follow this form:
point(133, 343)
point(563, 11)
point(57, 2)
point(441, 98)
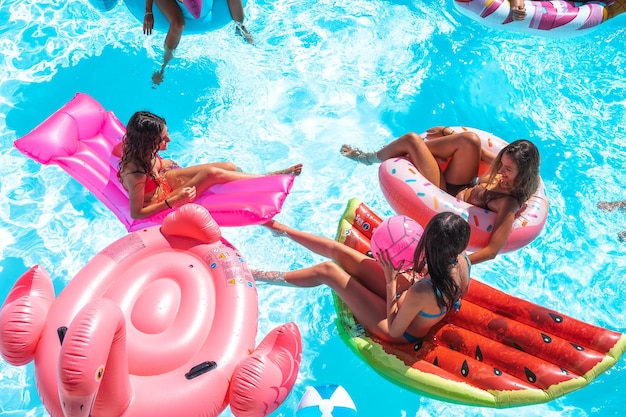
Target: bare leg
point(369, 158)
point(294, 170)
point(464, 151)
point(353, 262)
point(368, 308)
point(205, 176)
point(229, 166)
point(413, 146)
point(366, 158)
point(464, 148)
point(612, 205)
point(174, 15)
point(270, 277)
point(236, 10)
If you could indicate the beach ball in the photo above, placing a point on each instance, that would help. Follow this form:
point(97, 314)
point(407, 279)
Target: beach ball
point(400, 235)
point(326, 401)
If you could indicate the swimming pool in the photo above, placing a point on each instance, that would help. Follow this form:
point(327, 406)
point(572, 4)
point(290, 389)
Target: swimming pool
point(321, 74)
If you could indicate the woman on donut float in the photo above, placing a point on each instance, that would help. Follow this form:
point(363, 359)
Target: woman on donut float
point(155, 184)
point(396, 306)
point(512, 178)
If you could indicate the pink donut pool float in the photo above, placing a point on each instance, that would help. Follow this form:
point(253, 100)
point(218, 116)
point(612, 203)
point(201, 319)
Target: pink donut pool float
point(411, 194)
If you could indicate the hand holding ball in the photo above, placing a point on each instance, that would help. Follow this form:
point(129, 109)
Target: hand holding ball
point(399, 235)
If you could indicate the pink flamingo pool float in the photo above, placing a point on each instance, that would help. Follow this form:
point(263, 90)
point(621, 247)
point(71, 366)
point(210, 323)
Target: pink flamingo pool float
point(161, 322)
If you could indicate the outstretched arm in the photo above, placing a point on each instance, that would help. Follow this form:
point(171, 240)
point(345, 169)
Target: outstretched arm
point(518, 10)
point(148, 19)
point(391, 278)
point(505, 209)
point(136, 183)
point(612, 205)
point(236, 10)
point(487, 156)
point(398, 320)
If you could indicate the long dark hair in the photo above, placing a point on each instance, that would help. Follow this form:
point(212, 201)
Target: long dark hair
point(446, 236)
point(141, 141)
point(526, 156)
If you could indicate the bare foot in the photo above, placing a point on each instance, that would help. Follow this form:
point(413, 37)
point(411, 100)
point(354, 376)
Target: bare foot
point(438, 131)
point(276, 228)
point(518, 10)
point(242, 31)
point(612, 205)
point(269, 277)
point(367, 158)
point(293, 170)
point(157, 77)
point(270, 224)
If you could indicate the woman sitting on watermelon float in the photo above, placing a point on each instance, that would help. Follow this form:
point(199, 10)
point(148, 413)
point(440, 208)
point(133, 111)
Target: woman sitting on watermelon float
point(425, 274)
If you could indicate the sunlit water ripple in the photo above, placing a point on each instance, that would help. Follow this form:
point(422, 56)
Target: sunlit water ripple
point(324, 73)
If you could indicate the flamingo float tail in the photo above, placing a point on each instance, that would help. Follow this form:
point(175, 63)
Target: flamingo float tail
point(263, 380)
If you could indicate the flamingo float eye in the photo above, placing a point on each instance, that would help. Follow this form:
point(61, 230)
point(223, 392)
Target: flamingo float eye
point(61, 331)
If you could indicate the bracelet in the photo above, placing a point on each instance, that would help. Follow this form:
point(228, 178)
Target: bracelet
point(148, 12)
point(166, 203)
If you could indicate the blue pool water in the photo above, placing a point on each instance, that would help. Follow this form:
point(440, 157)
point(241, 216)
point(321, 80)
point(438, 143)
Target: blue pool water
point(324, 73)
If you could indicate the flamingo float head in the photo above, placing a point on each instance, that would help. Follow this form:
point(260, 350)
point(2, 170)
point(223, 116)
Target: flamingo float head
point(94, 348)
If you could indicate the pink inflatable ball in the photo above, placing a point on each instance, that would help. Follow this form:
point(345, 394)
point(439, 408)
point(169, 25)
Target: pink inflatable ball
point(400, 236)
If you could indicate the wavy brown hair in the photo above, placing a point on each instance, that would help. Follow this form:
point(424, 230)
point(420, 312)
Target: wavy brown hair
point(446, 236)
point(526, 156)
point(141, 141)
